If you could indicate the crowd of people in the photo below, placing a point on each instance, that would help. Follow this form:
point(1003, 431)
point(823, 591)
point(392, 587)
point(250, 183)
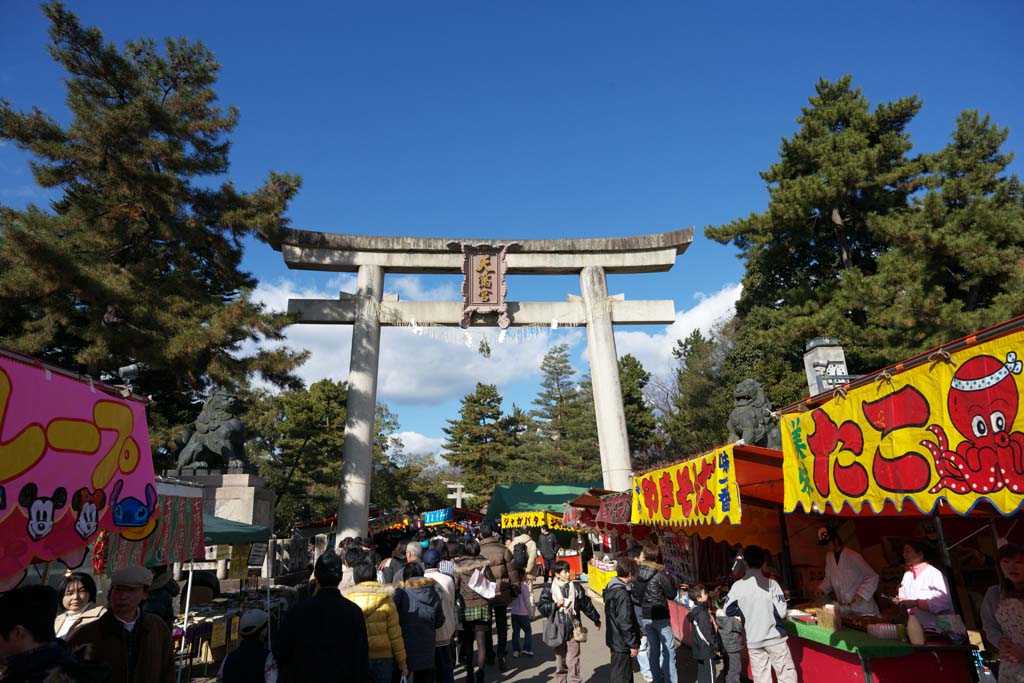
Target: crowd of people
point(438, 605)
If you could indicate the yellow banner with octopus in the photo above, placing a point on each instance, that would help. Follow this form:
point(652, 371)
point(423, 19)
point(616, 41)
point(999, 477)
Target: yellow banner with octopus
point(949, 430)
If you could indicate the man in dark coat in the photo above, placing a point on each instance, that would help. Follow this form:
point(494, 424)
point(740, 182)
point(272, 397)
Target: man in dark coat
point(324, 638)
point(623, 634)
point(547, 547)
point(29, 647)
point(506, 575)
point(136, 645)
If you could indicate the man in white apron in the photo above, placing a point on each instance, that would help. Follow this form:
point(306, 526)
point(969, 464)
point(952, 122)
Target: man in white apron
point(847, 575)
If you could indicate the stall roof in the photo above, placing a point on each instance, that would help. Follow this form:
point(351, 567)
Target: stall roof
point(591, 498)
point(534, 497)
point(218, 531)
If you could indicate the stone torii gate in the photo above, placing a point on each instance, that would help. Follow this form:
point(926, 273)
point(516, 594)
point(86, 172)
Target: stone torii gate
point(484, 264)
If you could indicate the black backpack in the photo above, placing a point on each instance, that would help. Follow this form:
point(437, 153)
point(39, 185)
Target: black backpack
point(520, 555)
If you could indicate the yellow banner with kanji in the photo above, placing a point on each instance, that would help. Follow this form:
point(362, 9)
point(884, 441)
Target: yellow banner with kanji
point(516, 520)
point(702, 490)
point(945, 430)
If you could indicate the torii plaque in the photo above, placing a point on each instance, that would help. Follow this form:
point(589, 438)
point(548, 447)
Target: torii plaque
point(373, 256)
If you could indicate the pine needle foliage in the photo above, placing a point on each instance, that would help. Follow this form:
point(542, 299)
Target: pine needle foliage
point(138, 260)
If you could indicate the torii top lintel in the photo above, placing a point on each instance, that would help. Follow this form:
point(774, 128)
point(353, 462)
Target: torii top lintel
point(309, 250)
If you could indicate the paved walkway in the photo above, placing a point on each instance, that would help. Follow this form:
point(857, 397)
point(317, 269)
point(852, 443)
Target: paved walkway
point(594, 659)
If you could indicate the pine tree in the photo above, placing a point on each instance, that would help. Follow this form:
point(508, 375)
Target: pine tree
point(954, 264)
point(477, 441)
point(640, 421)
point(296, 438)
point(567, 448)
point(845, 167)
point(138, 261)
point(701, 402)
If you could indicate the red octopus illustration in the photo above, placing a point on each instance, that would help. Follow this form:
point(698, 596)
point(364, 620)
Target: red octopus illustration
point(982, 403)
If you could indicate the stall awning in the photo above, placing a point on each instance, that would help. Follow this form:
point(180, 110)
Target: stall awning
point(534, 497)
point(220, 531)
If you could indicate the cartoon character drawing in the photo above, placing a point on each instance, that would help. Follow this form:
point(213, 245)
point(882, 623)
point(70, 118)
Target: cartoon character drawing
point(135, 517)
point(87, 505)
point(983, 401)
point(41, 510)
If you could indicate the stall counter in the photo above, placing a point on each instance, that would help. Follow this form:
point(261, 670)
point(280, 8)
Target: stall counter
point(598, 578)
point(850, 656)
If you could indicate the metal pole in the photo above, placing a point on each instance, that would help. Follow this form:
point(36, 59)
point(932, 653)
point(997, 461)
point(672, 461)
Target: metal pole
point(948, 561)
point(184, 626)
point(787, 562)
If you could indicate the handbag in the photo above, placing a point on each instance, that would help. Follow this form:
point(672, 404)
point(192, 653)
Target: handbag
point(482, 586)
point(556, 631)
point(579, 631)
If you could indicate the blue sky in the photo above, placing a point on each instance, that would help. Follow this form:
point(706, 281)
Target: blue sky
point(533, 119)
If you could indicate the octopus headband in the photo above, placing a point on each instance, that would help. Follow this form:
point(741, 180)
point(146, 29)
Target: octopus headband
point(1011, 365)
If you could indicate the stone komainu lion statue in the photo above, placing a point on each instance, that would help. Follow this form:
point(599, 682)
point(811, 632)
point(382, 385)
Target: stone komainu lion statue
point(752, 418)
point(219, 436)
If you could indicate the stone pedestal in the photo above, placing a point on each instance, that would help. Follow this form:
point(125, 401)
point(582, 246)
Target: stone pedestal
point(236, 495)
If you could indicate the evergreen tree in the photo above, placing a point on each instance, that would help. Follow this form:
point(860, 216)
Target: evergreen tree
point(954, 261)
point(519, 436)
point(640, 421)
point(138, 261)
point(845, 167)
point(567, 447)
point(701, 402)
point(477, 441)
point(297, 437)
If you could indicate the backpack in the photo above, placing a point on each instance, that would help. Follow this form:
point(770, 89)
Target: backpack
point(520, 555)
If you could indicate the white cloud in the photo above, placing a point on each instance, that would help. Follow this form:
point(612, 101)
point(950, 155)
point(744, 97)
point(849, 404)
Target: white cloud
point(424, 369)
point(655, 350)
point(418, 444)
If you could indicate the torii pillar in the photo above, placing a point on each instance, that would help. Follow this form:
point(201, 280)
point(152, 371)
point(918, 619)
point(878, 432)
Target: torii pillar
point(371, 257)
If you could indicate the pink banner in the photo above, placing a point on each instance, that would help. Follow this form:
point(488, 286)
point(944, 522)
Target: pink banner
point(73, 460)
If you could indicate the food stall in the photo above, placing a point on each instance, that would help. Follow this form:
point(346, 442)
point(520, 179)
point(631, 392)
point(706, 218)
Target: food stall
point(206, 631)
point(535, 505)
point(696, 506)
point(937, 435)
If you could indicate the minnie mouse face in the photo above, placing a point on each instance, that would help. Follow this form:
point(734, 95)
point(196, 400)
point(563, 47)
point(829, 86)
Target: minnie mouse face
point(41, 510)
point(88, 505)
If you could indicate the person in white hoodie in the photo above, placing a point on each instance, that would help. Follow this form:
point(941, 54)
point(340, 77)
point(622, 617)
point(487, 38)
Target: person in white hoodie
point(761, 604)
point(443, 664)
point(847, 575)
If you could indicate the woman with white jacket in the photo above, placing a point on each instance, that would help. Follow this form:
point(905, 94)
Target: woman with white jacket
point(924, 590)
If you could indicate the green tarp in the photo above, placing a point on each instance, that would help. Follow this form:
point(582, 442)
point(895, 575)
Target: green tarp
point(220, 531)
point(534, 497)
